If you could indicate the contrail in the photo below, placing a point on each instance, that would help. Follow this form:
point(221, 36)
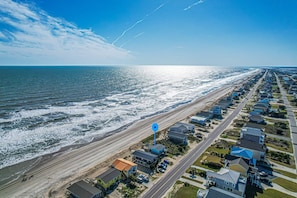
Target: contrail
point(138, 35)
point(194, 4)
point(137, 22)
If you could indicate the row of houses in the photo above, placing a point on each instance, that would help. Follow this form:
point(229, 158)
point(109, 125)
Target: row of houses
point(240, 167)
point(120, 169)
point(202, 118)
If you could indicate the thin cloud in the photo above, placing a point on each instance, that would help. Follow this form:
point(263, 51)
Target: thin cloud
point(137, 22)
point(194, 4)
point(31, 36)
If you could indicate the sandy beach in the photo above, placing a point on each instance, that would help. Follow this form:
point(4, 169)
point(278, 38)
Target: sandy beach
point(56, 171)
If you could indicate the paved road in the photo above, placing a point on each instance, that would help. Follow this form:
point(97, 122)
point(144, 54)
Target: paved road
point(163, 184)
point(291, 118)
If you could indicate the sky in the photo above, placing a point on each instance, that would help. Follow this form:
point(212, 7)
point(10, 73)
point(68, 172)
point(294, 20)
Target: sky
point(148, 32)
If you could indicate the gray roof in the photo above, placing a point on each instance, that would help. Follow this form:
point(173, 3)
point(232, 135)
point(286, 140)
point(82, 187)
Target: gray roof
point(158, 147)
point(82, 189)
point(182, 127)
point(230, 157)
point(251, 145)
point(257, 118)
point(172, 134)
point(215, 192)
point(109, 175)
point(145, 155)
point(205, 114)
point(241, 162)
point(252, 131)
point(225, 175)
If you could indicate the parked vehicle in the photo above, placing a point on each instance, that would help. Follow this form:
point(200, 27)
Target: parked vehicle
point(166, 161)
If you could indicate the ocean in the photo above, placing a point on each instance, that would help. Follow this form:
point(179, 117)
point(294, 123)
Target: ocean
point(43, 109)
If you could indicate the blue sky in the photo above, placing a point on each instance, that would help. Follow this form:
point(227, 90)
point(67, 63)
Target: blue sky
point(144, 32)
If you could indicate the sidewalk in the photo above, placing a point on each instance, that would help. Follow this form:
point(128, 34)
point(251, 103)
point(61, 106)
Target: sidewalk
point(273, 149)
point(284, 177)
point(279, 188)
point(280, 167)
point(278, 137)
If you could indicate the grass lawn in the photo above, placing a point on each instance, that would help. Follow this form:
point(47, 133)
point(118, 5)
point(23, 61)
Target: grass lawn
point(292, 186)
point(270, 193)
point(283, 164)
point(186, 191)
point(286, 148)
point(209, 158)
point(288, 174)
point(233, 134)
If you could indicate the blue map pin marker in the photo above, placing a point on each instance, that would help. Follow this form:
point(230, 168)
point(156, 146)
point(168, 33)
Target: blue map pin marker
point(155, 128)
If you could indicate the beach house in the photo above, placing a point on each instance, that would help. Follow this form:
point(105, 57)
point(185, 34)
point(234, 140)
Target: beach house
point(199, 120)
point(158, 149)
point(126, 167)
point(181, 127)
point(239, 165)
point(258, 150)
point(109, 179)
point(228, 180)
point(252, 134)
point(243, 166)
point(205, 114)
point(145, 159)
point(244, 153)
point(257, 119)
point(82, 189)
point(178, 138)
point(217, 111)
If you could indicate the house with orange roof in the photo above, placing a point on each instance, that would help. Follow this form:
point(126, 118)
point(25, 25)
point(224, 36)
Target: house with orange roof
point(125, 166)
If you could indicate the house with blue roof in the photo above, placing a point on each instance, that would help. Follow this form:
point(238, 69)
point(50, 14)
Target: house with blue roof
point(244, 153)
point(217, 111)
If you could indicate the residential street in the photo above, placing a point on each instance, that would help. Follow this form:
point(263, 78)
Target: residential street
point(291, 118)
point(163, 184)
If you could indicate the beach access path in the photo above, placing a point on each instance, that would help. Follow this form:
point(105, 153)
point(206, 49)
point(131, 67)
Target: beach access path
point(67, 167)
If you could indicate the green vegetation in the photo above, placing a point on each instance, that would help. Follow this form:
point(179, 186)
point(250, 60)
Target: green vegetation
point(186, 191)
point(270, 193)
point(292, 186)
point(239, 123)
point(150, 139)
point(213, 157)
point(173, 149)
point(279, 144)
point(199, 172)
point(193, 138)
point(231, 134)
point(281, 158)
point(131, 190)
point(278, 128)
point(288, 174)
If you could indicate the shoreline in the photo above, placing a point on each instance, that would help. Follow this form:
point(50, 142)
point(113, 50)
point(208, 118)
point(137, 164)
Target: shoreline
point(56, 161)
point(28, 165)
